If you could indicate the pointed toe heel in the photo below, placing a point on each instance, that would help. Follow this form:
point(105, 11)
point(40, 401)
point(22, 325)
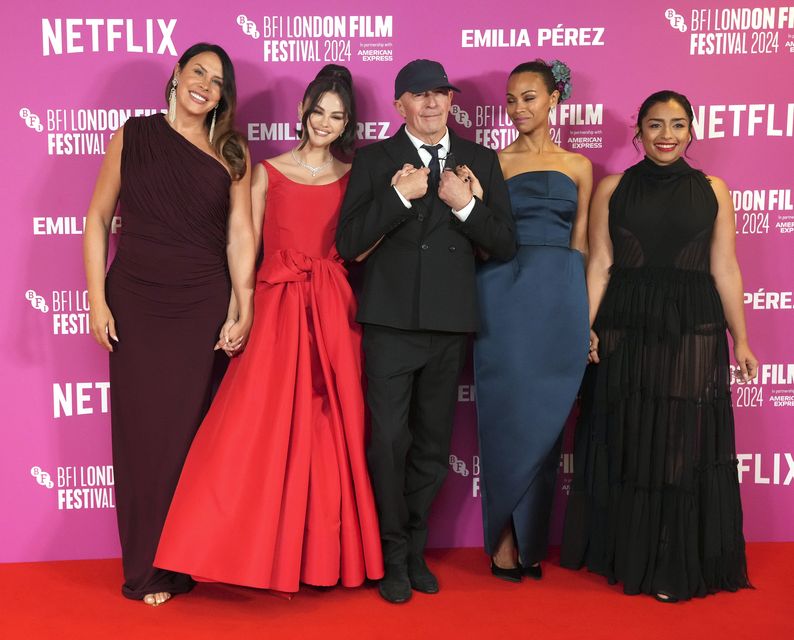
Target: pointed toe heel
point(513, 574)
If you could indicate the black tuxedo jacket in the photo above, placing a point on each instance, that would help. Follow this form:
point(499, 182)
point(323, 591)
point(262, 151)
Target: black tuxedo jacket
point(421, 276)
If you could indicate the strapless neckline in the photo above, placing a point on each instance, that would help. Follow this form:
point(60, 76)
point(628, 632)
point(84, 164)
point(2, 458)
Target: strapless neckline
point(539, 171)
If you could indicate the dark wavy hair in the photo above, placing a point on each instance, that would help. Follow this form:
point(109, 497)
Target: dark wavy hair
point(665, 95)
point(336, 79)
point(541, 68)
point(227, 142)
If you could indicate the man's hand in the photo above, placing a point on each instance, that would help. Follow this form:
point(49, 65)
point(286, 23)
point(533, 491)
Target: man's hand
point(411, 182)
point(453, 191)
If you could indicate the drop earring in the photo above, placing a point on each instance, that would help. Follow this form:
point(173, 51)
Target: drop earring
point(212, 124)
point(172, 101)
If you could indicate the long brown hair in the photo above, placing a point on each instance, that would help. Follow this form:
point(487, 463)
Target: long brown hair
point(227, 141)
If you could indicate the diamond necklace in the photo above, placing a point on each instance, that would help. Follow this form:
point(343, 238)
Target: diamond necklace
point(313, 170)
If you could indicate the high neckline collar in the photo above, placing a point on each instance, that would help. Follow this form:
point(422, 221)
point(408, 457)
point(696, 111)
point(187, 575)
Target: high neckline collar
point(677, 168)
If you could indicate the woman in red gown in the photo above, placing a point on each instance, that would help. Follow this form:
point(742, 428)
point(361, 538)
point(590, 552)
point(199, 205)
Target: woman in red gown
point(275, 489)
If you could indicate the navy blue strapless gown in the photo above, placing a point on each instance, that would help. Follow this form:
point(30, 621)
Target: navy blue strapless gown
point(529, 358)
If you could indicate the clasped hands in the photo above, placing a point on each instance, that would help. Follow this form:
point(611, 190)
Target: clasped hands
point(234, 335)
point(455, 188)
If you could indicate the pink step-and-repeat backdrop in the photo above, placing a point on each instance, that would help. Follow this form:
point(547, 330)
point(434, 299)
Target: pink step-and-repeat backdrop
point(76, 70)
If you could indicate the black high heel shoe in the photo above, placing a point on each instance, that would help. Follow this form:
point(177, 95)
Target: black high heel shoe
point(533, 571)
point(513, 574)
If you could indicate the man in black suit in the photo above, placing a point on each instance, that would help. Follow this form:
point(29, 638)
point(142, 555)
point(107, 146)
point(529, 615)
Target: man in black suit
point(418, 227)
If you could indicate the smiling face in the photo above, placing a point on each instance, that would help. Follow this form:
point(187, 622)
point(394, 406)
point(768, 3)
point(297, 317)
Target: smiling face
point(665, 132)
point(425, 113)
point(200, 83)
point(327, 121)
point(529, 101)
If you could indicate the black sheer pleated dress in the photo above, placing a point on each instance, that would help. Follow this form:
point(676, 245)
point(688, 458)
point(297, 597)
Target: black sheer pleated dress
point(168, 289)
point(655, 499)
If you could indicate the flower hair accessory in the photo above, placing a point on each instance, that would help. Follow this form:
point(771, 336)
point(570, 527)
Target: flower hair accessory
point(562, 78)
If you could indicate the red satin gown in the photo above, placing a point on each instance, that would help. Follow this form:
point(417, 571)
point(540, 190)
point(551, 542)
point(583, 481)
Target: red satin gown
point(275, 490)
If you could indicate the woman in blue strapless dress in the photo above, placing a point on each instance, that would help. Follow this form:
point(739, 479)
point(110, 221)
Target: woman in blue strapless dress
point(531, 353)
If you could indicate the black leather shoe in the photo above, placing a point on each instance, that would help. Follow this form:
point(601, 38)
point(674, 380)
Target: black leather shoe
point(513, 574)
point(421, 577)
point(533, 571)
point(395, 587)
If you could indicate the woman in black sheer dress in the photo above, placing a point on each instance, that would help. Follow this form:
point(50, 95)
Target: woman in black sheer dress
point(655, 499)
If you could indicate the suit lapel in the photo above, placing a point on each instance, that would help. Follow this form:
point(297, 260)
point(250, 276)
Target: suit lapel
point(461, 148)
point(400, 149)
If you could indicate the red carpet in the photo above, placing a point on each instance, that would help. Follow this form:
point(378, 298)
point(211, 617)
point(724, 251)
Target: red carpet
point(81, 599)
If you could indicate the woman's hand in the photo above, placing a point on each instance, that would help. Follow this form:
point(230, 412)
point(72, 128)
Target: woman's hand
point(467, 175)
point(747, 361)
point(103, 326)
point(411, 183)
point(234, 335)
point(223, 336)
point(592, 356)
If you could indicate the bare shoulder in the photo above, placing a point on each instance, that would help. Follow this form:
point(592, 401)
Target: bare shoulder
point(117, 140)
point(259, 176)
point(281, 161)
point(509, 151)
point(608, 184)
point(340, 169)
point(724, 199)
point(718, 184)
point(577, 165)
point(578, 160)
point(508, 156)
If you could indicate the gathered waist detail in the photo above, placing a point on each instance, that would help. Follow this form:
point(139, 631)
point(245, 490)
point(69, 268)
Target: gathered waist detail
point(289, 265)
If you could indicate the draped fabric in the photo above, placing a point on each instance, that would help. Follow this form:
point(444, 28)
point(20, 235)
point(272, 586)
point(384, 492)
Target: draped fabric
point(174, 204)
point(655, 499)
point(275, 490)
point(168, 290)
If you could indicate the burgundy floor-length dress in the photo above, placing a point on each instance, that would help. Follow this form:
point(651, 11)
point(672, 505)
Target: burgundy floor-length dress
point(275, 490)
point(168, 290)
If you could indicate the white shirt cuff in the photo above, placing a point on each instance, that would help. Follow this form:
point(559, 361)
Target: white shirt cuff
point(463, 213)
point(406, 202)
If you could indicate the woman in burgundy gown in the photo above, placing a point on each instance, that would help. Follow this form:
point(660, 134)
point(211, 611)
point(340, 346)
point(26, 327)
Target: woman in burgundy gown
point(275, 490)
point(183, 186)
